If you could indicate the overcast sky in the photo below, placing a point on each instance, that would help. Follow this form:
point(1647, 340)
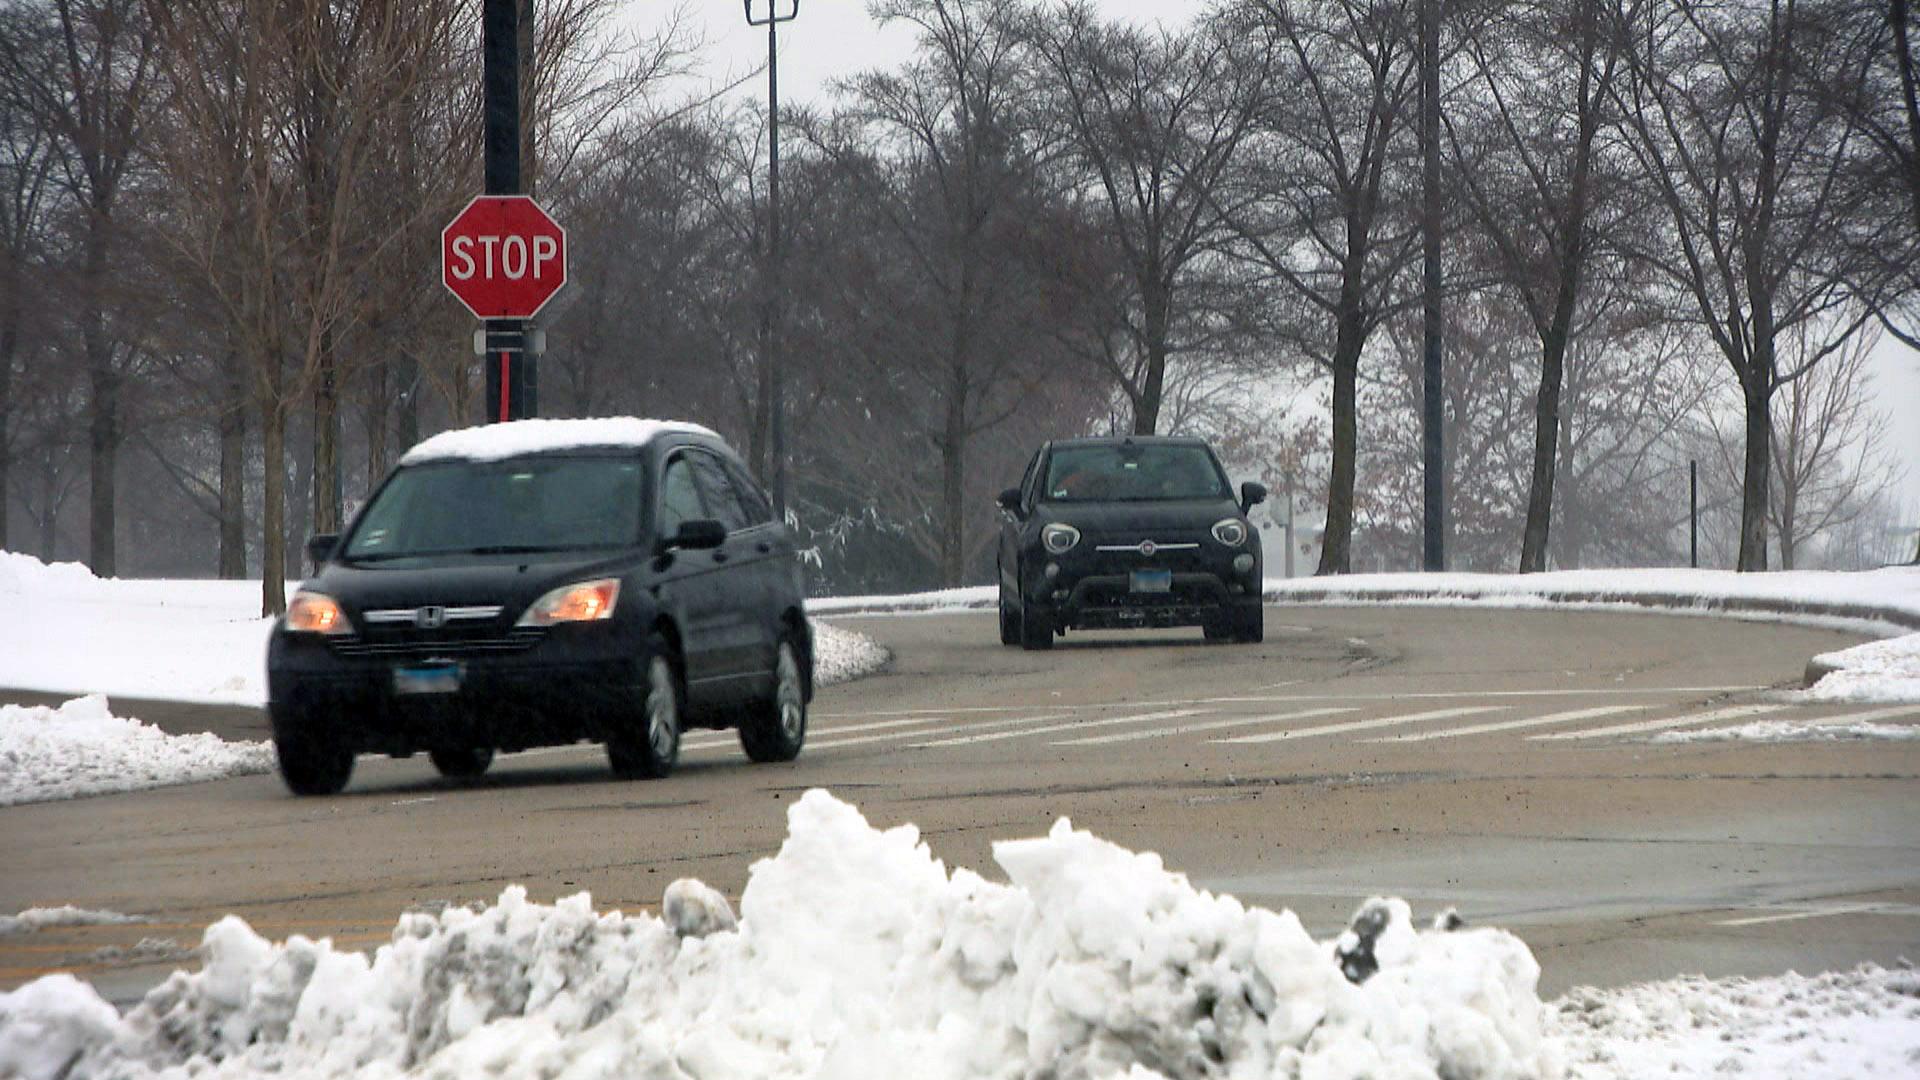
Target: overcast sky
point(832, 39)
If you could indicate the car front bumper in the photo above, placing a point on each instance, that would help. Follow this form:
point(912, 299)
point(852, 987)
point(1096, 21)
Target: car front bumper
point(1099, 590)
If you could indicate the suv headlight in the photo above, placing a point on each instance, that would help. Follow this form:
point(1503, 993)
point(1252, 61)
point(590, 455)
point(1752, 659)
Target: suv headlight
point(316, 613)
point(1058, 538)
point(1230, 531)
point(585, 601)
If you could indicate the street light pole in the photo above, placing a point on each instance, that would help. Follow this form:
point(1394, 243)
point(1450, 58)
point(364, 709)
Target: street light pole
point(1432, 416)
point(770, 302)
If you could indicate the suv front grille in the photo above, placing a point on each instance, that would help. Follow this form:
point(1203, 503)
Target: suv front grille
point(421, 645)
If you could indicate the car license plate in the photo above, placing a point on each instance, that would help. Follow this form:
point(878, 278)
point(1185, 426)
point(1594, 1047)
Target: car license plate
point(1150, 581)
point(430, 678)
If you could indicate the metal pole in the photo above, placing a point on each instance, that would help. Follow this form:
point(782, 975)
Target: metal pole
point(770, 314)
point(1434, 517)
point(1693, 514)
point(504, 361)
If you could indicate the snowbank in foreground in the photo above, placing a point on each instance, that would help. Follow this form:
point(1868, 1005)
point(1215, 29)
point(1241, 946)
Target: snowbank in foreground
point(80, 749)
point(68, 632)
point(1887, 671)
point(856, 954)
point(1850, 1025)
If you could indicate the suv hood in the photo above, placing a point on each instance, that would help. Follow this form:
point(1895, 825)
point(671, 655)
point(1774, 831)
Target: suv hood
point(511, 581)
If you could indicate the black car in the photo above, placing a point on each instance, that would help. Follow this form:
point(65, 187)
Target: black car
point(1128, 532)
point(538, 583)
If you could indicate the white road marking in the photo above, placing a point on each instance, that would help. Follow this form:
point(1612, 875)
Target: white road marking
point(1362, 725)
point(1436, 695)
point(919, 731)
point(1712, 716)
point(1208, 725)
point(1511, 725)
point(727, 738)
point(1897, 712)
point(1077, 725)
point(1810, 913)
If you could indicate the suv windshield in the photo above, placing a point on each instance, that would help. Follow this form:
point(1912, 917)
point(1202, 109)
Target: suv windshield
point(519, 505)
point(1132, 473)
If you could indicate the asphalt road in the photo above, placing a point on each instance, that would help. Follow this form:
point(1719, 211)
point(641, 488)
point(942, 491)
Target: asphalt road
point(1502, 763)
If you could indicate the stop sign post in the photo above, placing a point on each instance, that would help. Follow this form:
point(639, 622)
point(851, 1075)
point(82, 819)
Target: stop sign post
point(505, 257)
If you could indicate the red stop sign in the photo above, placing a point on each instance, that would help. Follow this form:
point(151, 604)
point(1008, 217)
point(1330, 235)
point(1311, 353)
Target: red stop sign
point(503, 256)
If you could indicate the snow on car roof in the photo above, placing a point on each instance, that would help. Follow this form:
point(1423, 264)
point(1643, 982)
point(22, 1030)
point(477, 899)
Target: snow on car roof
point(492, 442)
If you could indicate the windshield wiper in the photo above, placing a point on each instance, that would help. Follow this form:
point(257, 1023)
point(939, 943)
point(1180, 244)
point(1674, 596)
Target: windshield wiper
point(516, 549)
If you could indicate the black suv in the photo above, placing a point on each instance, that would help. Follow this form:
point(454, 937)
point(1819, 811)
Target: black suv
point(1128, 532)
point(541, 582)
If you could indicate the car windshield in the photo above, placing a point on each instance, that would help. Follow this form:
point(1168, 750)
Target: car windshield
point(522, 505)
point(1130, 472)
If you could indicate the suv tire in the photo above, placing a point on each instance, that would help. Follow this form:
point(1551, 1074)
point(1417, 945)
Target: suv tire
point(646, 745)
point(308, 764)
point(461, 762)
point(776, 729)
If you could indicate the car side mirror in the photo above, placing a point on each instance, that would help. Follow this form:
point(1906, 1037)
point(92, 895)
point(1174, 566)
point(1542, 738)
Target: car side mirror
point(320, 548)
point(1009, 501)
point(1252, 495)
point(701, 534)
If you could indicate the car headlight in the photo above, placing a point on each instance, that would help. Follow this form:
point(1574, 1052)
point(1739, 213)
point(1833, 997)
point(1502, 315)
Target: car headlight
point(585, 601)
point(1230, 531)
point(1059, 539)
point(316, 613)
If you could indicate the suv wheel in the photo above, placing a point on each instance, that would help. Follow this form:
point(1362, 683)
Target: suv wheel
point(308, 764)
point(1036, 629)
point(646, 746)
point(461, 762)
point(1009, 618)
point(776, 729)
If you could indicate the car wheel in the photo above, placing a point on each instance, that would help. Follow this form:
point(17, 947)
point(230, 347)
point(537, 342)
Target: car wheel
point(776, 729)
point(1219, 630)
point(1250, 627)
point(1036, 629)
point(310, 765)
point(1009, 618)
point(461, 762)
point(647, 746)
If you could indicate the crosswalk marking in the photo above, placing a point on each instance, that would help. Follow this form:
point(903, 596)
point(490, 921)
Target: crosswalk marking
point(1077, 725)
point(1735, 712)
point(1205, 725)
point(937, 730)
point(1811, 913)
point(1362, 725)
point(1511, 725)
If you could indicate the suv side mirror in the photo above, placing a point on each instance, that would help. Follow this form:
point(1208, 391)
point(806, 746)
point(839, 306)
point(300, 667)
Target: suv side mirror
point(701, 534)
point(1251, 495)
point(320, 548)
point(1009, 501)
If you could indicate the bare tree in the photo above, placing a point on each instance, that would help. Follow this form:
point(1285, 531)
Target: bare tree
point(1527, 144)
point(1750, 167)
point(1153, 122)
point(1319, 212)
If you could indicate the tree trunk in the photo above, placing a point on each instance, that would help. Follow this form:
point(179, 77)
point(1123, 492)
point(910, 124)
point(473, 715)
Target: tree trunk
point(50, 497)
point(379, 408)
point(953, 452)
point(103, 411)
point(273, 521)
point(233, 459)
point(1754, 487)
point(408, 425)
point(1546, 445)
point(326, 438)
point(1336, 556)
point(9, 345)
point(1146, 411)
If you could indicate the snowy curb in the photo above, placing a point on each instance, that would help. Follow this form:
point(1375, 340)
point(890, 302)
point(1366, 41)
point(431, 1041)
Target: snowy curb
point(1879, 671)
point(1885, 620)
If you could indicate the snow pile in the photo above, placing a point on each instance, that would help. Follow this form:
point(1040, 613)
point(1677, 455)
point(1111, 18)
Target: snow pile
point(41, 918)
point(940, 600)
point(1879, 671)
point(842, 655)
point(856, 955)
point(80, 749)
point(495, 442)
point(1851, 1025)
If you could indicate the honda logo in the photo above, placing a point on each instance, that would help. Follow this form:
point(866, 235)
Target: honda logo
point(430, 618)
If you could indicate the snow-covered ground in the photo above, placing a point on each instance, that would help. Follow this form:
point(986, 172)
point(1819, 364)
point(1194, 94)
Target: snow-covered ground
point(67, 915)
point(856, 954)
point(65, 631)
point(1886, 671)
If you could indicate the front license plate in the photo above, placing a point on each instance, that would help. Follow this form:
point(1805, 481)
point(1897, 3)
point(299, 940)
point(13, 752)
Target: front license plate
point(439, 678)
point(1150, 581)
